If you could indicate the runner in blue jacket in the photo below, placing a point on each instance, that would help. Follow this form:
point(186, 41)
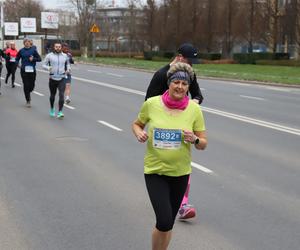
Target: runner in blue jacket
point(29, 56)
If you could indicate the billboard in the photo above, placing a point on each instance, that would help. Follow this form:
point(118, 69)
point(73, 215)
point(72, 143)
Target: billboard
point(28, 25)
point(49, 20)
point(11, 29)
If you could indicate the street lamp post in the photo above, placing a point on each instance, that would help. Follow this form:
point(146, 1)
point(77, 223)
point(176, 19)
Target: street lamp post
point(2, 22)
point(94, 34)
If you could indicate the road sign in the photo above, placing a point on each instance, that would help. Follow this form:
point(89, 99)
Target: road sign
point(95, 29)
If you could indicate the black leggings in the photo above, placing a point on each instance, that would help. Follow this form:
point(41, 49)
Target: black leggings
point(61, 86)
point(28, 79)
point(1, 66)
point(11, 70)
point(166, 194)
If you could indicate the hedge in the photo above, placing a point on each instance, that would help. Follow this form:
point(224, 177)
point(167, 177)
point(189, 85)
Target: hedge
point(149, 55)
point(210, 56)
point(279, 62)
point(251, 58)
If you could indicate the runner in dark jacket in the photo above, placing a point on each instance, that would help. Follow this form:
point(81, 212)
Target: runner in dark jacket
point(158, 85)
point(29, 56)
point(2, 56)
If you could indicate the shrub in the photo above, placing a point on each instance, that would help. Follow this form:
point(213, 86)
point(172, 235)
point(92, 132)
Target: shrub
point(210, 56)
point(251, 58)
point(221, 61)
point(169, 54)
point(279, 62)
point(148, 55)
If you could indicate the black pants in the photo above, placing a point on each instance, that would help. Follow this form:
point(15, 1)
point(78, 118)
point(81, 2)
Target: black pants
point(1, 66)
point(61, 86)
point(11, 70)
point(166, 194)
point(28, 80)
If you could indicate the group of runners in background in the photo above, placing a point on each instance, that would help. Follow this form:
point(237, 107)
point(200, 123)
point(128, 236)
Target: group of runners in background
point(57, 62)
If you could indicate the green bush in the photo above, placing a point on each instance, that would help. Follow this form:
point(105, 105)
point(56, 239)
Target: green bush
point(251, 58)
point(158, 55)
point(169, 54)
point(279, 62)
point(210, 56)
point(281, 56)
point(148, 55)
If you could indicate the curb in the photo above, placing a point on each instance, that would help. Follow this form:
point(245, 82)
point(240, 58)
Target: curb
point(272, 84)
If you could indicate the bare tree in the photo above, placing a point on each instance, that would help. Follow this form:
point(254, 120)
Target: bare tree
point(85, 17)
point(210, 20)
point(150, 11)
point(297, 28)
point(228, 20)
point(134, 24)
point(15, 9)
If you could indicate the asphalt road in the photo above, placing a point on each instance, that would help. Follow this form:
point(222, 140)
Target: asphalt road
point(78, 183)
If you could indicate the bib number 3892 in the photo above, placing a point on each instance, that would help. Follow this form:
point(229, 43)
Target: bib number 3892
point(167, 138)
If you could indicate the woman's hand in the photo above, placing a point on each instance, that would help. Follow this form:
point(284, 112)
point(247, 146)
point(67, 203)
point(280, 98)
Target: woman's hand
point(189, 136)
point(142, 136)
point(138, 130)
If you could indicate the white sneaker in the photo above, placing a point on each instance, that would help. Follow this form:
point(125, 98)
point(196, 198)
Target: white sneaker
point(68, 100)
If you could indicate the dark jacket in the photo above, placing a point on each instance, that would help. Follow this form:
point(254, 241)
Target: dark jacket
point(25, 53)
point(159, 84)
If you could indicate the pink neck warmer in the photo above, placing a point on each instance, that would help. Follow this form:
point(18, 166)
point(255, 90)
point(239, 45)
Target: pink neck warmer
point(173, 104)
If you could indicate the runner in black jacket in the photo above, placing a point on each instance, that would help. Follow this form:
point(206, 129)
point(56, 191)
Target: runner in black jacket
point(158, 84)
point(2, 56)
point(187, 53)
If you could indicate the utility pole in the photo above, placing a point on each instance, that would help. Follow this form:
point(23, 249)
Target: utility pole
point(2, 22)
point(94, 33)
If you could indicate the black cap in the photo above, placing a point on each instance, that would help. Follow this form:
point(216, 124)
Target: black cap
point(188, 51)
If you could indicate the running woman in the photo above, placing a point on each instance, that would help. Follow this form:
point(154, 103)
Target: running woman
point(11, 64)
point(29, 57)
point(2, 55)
point(59, 66)
point(187, 53)
point(66, 50)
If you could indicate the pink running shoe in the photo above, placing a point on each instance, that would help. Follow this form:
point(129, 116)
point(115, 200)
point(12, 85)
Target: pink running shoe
point(186, 211)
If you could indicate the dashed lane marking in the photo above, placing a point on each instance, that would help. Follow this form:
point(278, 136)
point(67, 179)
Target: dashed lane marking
point(200, 167)
point(110, 125)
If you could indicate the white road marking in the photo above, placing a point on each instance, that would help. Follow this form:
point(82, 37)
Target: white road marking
point(112, 74)
point(69, 107)
point(110, 125)
point(214, 111)
point(277, 88)
point(204, 169)
point(202, 89)
point(254, 121)
point(35, 92)
point(38, 93)
point(111, 86)
point(253, 97)
point(94, 71)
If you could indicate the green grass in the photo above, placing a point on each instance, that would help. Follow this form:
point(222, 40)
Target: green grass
point(262, 73)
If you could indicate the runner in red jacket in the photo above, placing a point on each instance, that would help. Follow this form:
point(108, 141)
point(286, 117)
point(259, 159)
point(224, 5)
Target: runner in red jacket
point(11, 64)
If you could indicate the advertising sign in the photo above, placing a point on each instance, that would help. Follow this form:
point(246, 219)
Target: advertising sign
point(28, 25)
point(11, 29)
point(49, 20)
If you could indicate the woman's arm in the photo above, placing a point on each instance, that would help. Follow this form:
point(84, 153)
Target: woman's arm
point(138, 131)
point(197, 138)
point(200, 140)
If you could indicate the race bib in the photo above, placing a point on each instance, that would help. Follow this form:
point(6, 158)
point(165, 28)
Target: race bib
point(12, 59)
point(29, 69)
point(167, 138)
